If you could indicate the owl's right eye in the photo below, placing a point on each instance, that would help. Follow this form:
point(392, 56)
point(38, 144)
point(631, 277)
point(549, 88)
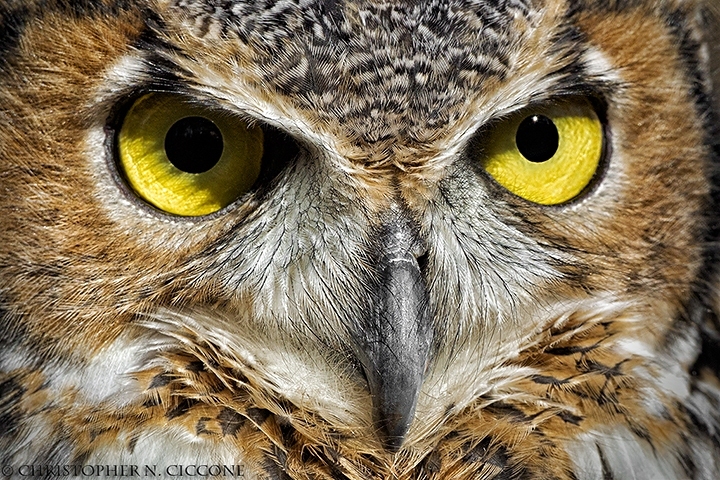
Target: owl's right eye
point(549, 154)
point(186, 159)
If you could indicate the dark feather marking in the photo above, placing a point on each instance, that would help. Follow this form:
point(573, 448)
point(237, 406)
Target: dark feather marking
point(708, 357)
point(606, 471)
point(568, 417)
point(274, 471)
point(597, 367)
point(131, 444)
point(230, 421)
point(160, 380)
point(486, 452)
point(287, 431)
point(258, 415)
point(200, 426)
point(10, 394)
point(433, 462)
point(699, 425)
point(196, 367)
point(181, 409)
point(563, 351)
point(512, 413)
point(275, 465)
point(547, 380)
point(689, 466)
point(152, 401)
point(331, 458)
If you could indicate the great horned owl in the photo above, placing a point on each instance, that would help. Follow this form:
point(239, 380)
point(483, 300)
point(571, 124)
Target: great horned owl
point(359, 239)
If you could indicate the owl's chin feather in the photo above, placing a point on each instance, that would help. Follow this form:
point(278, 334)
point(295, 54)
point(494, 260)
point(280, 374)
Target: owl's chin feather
point(591, 387)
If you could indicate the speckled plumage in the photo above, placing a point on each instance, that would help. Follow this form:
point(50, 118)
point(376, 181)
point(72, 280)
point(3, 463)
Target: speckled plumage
point(577, 341)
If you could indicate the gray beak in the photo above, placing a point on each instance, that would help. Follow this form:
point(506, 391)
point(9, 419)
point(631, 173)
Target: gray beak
point(399, 333)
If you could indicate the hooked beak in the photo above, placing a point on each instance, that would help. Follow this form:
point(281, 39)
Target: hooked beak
point(399, 335)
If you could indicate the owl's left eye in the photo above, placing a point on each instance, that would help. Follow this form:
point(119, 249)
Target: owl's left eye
point(186, 159)
point(547, 155)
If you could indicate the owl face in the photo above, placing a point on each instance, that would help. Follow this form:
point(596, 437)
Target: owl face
point(358, 239)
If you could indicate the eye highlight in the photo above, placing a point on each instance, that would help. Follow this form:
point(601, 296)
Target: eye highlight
point(186, 159)
point(547, 155)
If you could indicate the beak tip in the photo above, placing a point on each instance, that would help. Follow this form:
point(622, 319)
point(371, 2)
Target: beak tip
point(393, 443)
point(393, 432)
point(395, 410)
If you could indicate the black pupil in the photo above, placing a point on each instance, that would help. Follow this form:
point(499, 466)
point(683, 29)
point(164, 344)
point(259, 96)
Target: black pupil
point(194, 144)
point(537, 138)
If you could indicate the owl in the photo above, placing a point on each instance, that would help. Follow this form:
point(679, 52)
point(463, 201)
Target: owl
point(360, 239)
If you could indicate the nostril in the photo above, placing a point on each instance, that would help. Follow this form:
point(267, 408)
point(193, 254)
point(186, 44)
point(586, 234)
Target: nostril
point(423, 262)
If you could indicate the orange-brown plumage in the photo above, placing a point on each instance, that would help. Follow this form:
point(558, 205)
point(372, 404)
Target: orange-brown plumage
point(571, 341)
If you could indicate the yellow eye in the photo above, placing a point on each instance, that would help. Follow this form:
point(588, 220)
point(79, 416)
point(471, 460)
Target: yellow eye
point(546, 155)
point(186, 159)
